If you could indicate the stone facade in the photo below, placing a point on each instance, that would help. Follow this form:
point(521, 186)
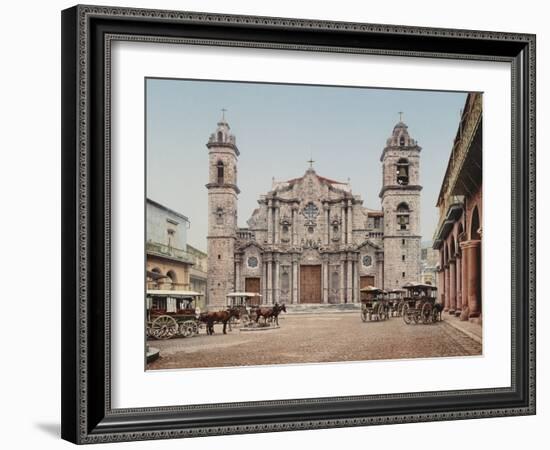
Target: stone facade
point(458, 237)
point(400, 195)
point(198, 272)
point(168, 262)
point(311, 240)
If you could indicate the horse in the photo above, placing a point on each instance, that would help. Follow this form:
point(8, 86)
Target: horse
point(212, 317)
point(438, 307)
point(270, 313)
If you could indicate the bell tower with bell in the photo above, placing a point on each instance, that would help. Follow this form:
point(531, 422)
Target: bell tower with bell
point(222, 213)
point(400, 196)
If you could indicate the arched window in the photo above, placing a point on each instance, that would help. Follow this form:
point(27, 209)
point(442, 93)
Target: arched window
point(220, 172)
point(219, 215)
point(220, 136)
point(474, 225)
point(402, 141)
point(403, 216)
point(403, 172)
point(452, 249)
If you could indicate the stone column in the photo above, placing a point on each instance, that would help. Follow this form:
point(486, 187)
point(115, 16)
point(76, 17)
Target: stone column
point(237, 274)
point(379, 257)
point(343, 225)
point(277, 224)
point(264, 282)
point(327, 223)
point(458, 285)
point(349, 222)
point(269, 299)
point(342, 274)
point(471, 250)
point(464, 286)
point(452, 286)
point(349, 289)
point(294, 281)
point(325, 279)
point(441, 285)
point(293, 211)
point(277, 281)
point(356, 281)
point(269, 222)
point(447, 291)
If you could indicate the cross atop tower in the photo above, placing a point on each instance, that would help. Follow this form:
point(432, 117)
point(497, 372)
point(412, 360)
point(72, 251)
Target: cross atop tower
point(310, 161)
point(400, 116)
point(223, 113)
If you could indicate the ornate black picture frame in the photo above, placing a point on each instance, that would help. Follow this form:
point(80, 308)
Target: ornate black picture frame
point(87, 34)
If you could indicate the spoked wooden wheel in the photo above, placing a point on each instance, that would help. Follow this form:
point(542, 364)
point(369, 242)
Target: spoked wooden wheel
point(164, 327)
point(188, 328)
point(405, 314)
point(245, 320)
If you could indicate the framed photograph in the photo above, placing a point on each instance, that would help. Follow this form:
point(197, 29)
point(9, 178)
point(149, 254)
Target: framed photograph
point(279, 224)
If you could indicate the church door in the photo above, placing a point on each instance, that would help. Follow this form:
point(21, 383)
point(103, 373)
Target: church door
point(310, 284)
point(253, 285)
point(367, 280)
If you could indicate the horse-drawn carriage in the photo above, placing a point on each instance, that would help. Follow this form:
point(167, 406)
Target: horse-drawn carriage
point(172, 313)
point(251, 313)
point(374, 305)
point(420, 304)
point(396, 302)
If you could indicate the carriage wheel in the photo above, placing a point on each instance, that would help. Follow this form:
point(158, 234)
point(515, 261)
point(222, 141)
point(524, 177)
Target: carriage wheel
point(164, 327)
point(364, 315)
point(245, 320)
point(406, 314)
point(426, 313)
point(187, 328)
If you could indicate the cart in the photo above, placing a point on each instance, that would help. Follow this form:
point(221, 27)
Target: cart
point(396, 302)
point(172, 313)
point(419, 303)
point(374, 305)
point(246, 303)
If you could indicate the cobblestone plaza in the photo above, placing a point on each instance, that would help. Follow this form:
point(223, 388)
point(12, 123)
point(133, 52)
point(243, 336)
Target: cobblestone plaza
point(311, 338)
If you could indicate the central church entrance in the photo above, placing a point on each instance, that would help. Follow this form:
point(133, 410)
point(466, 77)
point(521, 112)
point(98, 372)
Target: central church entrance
point(253, 285)
point(310, 284)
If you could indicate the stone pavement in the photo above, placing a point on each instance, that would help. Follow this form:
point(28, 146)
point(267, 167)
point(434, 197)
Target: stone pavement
point(304, 338)
point(470, 329)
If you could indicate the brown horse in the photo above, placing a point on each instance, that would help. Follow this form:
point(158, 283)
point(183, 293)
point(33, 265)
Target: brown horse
point(212, 317)
point(270, 313)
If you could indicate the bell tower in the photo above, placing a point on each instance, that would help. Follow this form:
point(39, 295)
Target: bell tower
point(222, 213)
point(400, 196)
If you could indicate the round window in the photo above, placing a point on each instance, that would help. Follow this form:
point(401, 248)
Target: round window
point(252, 261)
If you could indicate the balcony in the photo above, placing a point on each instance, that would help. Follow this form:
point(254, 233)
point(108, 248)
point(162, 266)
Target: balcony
point(246, 235)
point(167, 285)
point(155, 248)
point(450, 211)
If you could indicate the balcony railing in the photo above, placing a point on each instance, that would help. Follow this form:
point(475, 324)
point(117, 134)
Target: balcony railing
point(246, 235)
point(167, 285)
point(156, 248)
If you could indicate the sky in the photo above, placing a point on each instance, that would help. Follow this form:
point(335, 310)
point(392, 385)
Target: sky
point(278, 129)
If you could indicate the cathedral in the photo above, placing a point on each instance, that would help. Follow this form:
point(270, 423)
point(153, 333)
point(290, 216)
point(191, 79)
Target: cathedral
point(311, 240)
